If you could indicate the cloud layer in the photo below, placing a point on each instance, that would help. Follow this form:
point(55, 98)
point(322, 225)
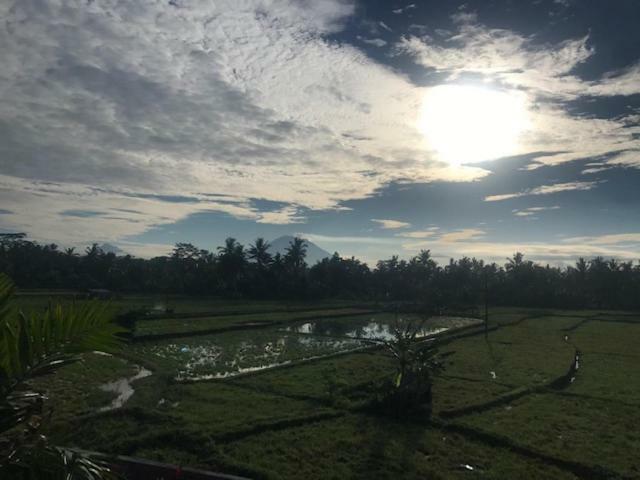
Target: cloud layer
point(197, 99)
point(118, 117)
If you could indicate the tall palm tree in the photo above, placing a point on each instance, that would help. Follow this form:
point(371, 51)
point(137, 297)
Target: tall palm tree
point(32, 346)
point(231, 260)
point(259, 252)
point(296, 253)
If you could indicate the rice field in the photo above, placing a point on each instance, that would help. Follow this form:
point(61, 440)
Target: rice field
point(255, 399)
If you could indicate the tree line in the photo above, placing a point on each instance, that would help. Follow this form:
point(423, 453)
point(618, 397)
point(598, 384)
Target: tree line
point(236, 270)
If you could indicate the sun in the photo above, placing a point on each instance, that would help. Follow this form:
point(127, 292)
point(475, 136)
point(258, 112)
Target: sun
point(467, 124)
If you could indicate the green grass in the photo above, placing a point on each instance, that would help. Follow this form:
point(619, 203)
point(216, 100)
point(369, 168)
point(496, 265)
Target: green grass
point(347, 378)
point(196, 324)
point(75, 389)
point(590, 431)
point(178, 304)
point(279, 423)
point(358, 446)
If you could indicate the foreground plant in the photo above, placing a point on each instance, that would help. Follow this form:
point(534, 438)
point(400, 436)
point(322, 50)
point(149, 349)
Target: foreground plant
point(32, 346)
point(416, 364)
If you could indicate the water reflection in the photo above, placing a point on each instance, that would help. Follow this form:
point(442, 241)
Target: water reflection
point(224, 355)
point(234, 353)
point(381, 327)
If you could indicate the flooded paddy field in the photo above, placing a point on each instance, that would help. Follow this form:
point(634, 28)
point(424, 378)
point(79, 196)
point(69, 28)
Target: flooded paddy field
point(380, 326)
point(233, 353)
point(227, 354)
point(498, 408)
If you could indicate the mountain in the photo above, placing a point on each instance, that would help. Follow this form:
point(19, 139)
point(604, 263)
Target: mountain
point(109, 248)
point(314, 252)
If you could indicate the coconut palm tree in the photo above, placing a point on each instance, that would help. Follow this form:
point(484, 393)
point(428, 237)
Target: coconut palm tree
point(231, 261)
point(32, 346)
point(259, 252)
point(295, 254)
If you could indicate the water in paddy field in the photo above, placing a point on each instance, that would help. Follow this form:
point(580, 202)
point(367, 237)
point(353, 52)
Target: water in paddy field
point(234, 353)
point(123, 388)
point(378, 327)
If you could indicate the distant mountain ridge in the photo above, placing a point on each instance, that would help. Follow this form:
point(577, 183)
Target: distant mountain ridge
point(314, 252)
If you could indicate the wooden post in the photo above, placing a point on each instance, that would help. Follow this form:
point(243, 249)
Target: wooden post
point(486, 302)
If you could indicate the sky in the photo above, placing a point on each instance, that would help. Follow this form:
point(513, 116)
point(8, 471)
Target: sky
point(372, 128)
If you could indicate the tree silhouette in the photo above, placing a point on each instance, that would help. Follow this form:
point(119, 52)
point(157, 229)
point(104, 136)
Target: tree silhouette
point(597, 283)
point(259, 253)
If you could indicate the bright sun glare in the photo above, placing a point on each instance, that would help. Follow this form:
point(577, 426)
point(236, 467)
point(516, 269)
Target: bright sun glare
point(466, 124)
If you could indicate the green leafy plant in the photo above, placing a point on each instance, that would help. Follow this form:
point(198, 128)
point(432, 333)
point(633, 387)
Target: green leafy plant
point(417, 361)
point(35, 345)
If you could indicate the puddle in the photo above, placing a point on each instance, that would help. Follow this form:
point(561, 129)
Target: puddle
point(123, 388)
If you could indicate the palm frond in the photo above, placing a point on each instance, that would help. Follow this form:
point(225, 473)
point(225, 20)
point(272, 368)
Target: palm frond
point(37, 344)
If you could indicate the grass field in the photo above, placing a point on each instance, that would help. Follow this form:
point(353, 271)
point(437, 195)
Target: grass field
point(497, 411)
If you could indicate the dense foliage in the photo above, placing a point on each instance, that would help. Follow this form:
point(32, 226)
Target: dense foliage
point(30, 347)
point(236, 271)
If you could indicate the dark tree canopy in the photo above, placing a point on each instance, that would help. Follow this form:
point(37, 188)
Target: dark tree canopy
point(254, 273)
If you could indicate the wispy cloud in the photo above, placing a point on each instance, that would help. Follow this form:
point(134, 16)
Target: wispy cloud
point(376, 42)
point(531, 211)
point(609, 239)
point(442, 240)
point(398, 11)
point(544, 190)
point(462, 235)
point(390, 224)
point(427, 233)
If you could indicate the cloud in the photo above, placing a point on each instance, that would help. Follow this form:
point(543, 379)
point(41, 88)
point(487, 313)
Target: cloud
point(376, 42)
point(513, 59)
point(531, 211)
point(565, 251)
point(244, 99)
point(429, 232)
point(399, 11)
point(442, 240)
point(544, 190)
point(630, 158)
point(390, 224)
point(544, 72)
point(461, 235)
point(609, 239)
point(284, 216)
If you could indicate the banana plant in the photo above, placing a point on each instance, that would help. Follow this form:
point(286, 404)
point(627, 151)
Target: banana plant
point(35, 345)
point(416, 364)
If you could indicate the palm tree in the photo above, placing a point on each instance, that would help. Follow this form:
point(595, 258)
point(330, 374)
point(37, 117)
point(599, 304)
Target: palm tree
point(32, 346)
point(231, 261)
point(259, 252)
point(296, 253)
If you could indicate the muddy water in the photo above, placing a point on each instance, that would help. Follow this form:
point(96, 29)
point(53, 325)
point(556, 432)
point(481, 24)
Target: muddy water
point(123, 388)
point(229, 354)
point(379, 327)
